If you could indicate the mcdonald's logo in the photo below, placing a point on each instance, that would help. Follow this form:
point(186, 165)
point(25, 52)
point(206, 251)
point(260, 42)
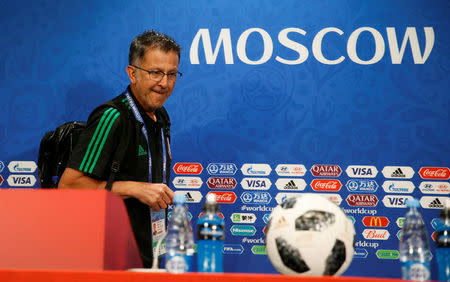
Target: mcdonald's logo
point(375, 221)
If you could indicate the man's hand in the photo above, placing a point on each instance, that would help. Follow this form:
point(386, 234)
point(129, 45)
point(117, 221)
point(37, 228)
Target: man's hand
point(157, 195)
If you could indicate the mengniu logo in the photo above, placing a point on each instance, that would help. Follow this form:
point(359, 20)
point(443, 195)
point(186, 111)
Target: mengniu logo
point(375, 221)
point(332, 185)
point(224, 197)
point(357, 200)
point(221, 183)
point(188, 168)
point(440, 173)
point(320, 170)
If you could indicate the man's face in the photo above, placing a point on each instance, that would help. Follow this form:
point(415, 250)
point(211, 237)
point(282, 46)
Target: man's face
point(152, 94)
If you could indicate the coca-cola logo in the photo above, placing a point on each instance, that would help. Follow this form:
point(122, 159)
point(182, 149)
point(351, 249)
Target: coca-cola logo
point(221, 183)
point(326, 185)
point(358, 200)
point(224, 197)
point(434, 172)
point(188, 168)
point(326, 170)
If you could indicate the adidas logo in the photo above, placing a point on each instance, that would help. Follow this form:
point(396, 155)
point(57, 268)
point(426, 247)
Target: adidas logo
point(398, 173)
point(290, 186)
point(189, 198)
point(436, 204)
point(142, 151)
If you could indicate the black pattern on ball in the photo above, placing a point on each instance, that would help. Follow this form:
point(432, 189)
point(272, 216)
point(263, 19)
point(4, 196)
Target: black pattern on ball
point(289, 203)
point(314, 221)
point(335, 259)
point(290, 256)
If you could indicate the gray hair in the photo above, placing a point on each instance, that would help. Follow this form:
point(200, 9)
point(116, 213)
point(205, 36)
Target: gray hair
point(151, 40)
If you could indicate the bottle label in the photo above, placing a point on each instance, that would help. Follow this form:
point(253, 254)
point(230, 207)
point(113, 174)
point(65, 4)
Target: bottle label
point(210, 232)
point(179, 264)
point(416, 271)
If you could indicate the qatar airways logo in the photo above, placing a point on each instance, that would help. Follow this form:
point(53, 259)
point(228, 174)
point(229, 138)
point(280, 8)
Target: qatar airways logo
point(389, 40)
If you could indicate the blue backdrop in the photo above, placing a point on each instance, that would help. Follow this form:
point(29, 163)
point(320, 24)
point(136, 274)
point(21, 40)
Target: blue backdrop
point(264, 82)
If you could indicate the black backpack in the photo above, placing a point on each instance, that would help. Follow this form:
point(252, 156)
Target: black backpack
point(57, 145)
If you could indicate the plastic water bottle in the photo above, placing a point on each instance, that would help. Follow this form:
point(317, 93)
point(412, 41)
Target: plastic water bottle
point(414, 246)
point(179, 239)
point(443, 243)
point(210, 233)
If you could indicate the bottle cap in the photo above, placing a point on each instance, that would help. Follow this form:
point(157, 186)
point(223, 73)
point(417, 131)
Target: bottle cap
point(412, 203)
point(179, 199)
point(211, 203)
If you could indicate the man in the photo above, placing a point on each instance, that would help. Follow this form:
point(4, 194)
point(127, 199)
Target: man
point(139, 116)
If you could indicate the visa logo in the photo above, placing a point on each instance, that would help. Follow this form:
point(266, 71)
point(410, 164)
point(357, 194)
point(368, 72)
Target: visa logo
point(21, 180)
point(362, 171)
point(256, 183)
point(395, 201)
point(253, 183)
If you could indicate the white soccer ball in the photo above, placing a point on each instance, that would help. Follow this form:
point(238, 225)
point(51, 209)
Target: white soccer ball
point(309, 235)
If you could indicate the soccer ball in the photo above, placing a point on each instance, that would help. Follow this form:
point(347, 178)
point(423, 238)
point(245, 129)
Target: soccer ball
point(309, 235)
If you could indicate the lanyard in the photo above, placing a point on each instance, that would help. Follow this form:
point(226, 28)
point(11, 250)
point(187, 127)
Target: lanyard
point(166, 147)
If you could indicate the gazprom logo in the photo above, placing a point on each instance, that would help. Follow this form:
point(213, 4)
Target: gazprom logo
point(256, 169)
point(22, 166)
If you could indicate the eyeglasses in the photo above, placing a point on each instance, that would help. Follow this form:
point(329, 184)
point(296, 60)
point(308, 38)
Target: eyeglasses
point(157, 76)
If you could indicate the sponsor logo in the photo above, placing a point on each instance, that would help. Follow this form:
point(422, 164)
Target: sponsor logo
point(360, 253)
point(256, 198)
point(376, 234)
point(191, 196)
point(375, 221)
point(290, 170)
point(232, 249)
point(1, 180)
point(21, 180)
point(437, 224)
point(332, 185)
point(221, 168)
point(398, 172)
point(352, 219)
point(359, 200)
point(290, 184)
point(365, 244)
point(387, 254)
point(429, 187)
point(187, 182)
point(400, 222)
point(220, 42)
point(224, 197)
point(326, 170)
point(399, 234)
point(256, 169)
point(220, 214)
point(256, 183)
point(259, 250)
point(334, 197)
point(253, 240)
point(361, 171)
point(398, 186)
point(266, 218)
point(141, 151)
point(433, 236)
point(434, 173)
point(264, 230)
point(260, 208)
point(22, 166)
point(396, 201)
point(243, 218)
point(281, 197)
point(221, 182)
point(188, 168)
point(2, 166)
point(362, 185)
point(243, 230)
point(433, 202)
point(359, 211)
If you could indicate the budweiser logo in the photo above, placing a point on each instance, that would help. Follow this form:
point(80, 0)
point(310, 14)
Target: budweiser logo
point(376, 234)
point(326, 170)
point(188, 168)
point(357, 200)
point(326, 185)
point(225, 197)
point(434, 173)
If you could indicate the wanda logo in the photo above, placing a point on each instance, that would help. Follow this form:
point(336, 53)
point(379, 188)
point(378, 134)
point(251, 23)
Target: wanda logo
point(434, 173)
point(326, 185)
point(358, 200)
point(224, 197)
point(375, 221)
point(188, 168)
point(326, 170)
